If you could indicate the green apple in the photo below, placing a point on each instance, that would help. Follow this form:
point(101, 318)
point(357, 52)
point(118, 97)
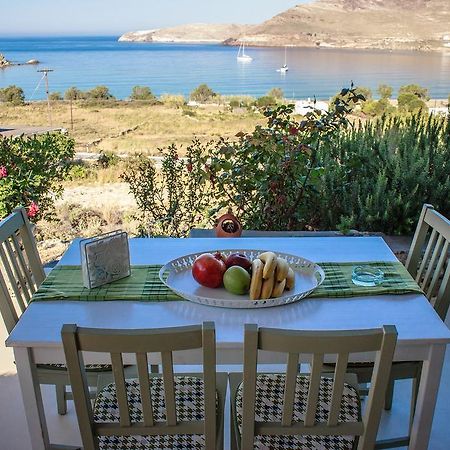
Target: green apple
point(236, 280)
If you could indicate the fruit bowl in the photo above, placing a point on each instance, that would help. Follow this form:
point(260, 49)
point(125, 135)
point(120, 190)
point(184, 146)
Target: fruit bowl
point(177, 276)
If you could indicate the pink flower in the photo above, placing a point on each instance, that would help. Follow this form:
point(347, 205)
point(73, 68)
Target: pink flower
point(3, 172)
point(33, 209)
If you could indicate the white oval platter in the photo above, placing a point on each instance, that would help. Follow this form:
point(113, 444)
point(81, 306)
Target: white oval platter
point(177, 275)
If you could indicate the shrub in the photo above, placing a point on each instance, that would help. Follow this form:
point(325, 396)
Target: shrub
point(172, 100)
point(142, 93)
point(241, 101)
point(32, 169)
point(202, 94)
point(99, 93)
point(73, 94)
point(107, 159)
point(378, 107)
point(411, 103)
point(276, 93)
point(55, 96)
point(385, 91)
point(415, 89)
point(265, 101)
point(12, 94)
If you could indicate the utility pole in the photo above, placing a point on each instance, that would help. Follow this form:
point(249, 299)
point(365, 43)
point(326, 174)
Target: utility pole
point(45, 72)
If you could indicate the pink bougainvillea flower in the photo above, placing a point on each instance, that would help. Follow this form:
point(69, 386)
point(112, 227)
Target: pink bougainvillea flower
point(3, 172)
point(33, 209)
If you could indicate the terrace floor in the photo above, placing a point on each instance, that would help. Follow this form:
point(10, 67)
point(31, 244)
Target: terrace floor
point(64, 430)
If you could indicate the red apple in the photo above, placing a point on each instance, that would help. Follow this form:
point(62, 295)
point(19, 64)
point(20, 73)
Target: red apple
point(208, 270)
point(238, 259)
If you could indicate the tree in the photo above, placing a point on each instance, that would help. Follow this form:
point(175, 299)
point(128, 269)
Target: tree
point(202, 94)
point(12, 94)
point(409, 102)
point(73, 94)
point(142, 93)
point(378, 107)
point(364, 91)
point(419, 91)
point(55, 96)
point(99, 93)
point(276, 93)
point(385, 91)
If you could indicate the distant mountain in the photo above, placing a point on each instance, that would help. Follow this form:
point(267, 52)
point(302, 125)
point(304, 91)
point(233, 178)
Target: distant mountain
point(197, 32)
point(380, 24)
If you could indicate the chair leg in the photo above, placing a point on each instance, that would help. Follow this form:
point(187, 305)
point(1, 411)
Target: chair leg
point(61, 400)
point(389, 395)
point(415, 391)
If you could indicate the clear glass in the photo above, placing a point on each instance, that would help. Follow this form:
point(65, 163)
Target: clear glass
point(367, 276)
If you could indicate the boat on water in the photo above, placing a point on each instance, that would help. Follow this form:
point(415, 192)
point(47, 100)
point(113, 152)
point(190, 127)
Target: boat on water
point(284, 68)
point(241, 56)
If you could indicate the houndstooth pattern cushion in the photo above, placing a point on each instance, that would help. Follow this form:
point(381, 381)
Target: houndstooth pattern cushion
point(189, 394)
point(269, 408)
point(89, 367)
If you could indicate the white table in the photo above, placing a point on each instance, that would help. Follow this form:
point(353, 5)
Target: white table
point(421, 334)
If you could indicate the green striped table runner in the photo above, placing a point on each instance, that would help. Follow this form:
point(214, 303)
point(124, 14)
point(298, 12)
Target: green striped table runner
point(65, 283)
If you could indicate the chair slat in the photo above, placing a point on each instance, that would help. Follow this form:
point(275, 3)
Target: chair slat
point(121, 391)
point(23, 263)
point(426, 256)
point(313, 392)
point(209, 383)
point(169, 388)
point(12, 280)
point(144, 384)
point(7, 308)
point(289, 389)
point(437, 271)
point(433, 260)
point(338, 388)
point(19, 272)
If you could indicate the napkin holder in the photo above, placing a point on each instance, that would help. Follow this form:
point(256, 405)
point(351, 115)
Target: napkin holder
point(105, 258)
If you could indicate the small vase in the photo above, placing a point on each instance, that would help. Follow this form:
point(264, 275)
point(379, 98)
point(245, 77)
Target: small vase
point(228, 226)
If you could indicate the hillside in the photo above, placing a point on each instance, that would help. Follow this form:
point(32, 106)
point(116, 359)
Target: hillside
point(381, 24)
point(386, 24)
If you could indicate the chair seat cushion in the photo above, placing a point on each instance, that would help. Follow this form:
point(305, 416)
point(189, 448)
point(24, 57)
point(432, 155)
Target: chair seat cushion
point(269, 408)
point(189, 394)
point(89, 367)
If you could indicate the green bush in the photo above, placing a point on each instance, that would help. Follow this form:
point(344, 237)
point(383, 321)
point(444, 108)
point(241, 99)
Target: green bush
point(55, 96)
point(173, 100)
point(73, 94)
point(381, 172)
point(142, 93)
point(99, 93)
point(107, 159)
point(240, 101)
point(411, 103)
point(385, 91)
point(202, 94)
point(276, 93)
point(31, 171)
point(12, 94)
point(378, 107)
point(419, 91)
point(265, 101)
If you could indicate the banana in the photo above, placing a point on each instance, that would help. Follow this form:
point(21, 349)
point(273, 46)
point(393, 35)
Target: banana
point(282, 269)
point(278, 289)
point(290, 279)
point(270, 263)
point(257, 279)
point(267, 288)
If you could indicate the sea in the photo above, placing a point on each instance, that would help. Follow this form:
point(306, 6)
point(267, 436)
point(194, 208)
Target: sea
point(88, 61)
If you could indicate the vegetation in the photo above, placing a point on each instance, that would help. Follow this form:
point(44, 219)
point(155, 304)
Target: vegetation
point(55, 96)
point(202, 94)
point(385, 91)
point(419, 91)
point(265, 101)
point(12, 94)
point(143, 93)
point(276, 93)
point(31, 172)
point(99, 93)
point(73, 94)
point(410, 103)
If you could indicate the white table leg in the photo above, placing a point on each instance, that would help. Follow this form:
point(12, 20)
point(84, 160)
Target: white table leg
point(32, 398)
point(426, 399)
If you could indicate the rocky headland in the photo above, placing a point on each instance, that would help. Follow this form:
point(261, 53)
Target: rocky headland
point(365, 24)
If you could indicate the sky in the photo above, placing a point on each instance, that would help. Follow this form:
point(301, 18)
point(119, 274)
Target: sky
point(110, 17)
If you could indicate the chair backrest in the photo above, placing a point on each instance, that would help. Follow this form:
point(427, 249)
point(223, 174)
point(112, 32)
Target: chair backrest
point(21, 271)
point(430, 267)
point(316, 344)
point(140, 342)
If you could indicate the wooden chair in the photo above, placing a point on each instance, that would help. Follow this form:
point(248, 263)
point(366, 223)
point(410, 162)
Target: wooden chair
point(21, 273)
point(292, 411)
point(428, 264)
point(154, 411)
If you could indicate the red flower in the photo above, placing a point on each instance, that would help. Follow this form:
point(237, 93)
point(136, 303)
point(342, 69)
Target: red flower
point(33, 209)
point(293, 130)
point(189, 167)
point(3, 172)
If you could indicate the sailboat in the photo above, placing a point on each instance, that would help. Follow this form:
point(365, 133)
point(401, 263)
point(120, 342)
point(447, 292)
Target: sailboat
point(285, 67)
point(241, 56)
